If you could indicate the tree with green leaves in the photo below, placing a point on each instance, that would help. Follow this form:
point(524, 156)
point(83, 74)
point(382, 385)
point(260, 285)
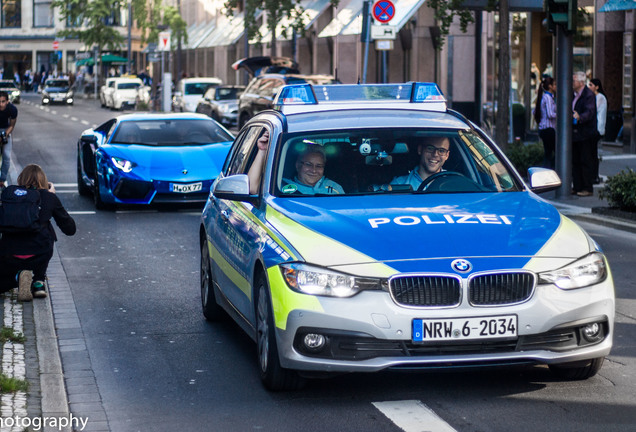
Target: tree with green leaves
point(275, 11)
point(445, 12)
point(92, 18)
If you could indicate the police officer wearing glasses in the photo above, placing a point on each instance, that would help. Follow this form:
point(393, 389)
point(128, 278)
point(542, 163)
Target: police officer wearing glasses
point(433, 154)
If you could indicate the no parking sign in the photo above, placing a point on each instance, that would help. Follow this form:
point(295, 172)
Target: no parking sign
point(383, 11)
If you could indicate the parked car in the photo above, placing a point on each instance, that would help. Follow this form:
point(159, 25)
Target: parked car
point(334, 255)
point(124, 93)
point(12, 90)
point(105, 91)
point(151, 158)
point(57, 90)
point(189, 91)
point(269, 75)
point(221, 103)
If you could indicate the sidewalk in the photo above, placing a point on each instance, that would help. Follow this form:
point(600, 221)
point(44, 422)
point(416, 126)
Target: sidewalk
point(582, 208)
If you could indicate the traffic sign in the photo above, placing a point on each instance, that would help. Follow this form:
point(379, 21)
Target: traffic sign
point(383, 11)
point(383, 32)
point(164, 41)
point(56, 45)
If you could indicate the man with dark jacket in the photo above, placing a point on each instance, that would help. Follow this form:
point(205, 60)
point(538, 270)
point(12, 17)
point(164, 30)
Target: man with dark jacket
point(583, 137)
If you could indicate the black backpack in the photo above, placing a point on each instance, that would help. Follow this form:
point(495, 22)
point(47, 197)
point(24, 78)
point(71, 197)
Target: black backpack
point(19, 210)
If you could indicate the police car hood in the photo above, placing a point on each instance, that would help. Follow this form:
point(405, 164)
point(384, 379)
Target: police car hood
point(414, 233)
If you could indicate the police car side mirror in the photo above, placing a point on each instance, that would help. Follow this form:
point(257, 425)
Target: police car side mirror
point(543, 179)
point(234, 188)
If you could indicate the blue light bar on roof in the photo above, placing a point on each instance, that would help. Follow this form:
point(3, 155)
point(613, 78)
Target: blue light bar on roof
point(296, 94)
point(306, 94)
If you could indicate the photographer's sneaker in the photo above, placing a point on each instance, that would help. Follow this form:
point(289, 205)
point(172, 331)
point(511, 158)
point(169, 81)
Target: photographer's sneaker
point(38, 289)
point(24, 286)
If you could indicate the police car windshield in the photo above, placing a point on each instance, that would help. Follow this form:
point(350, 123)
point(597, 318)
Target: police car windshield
point(390, 161)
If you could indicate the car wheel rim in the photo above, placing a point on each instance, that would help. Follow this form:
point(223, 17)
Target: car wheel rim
point(263, 330)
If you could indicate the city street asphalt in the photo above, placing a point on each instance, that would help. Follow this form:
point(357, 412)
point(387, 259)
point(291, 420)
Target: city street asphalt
point(60, 375)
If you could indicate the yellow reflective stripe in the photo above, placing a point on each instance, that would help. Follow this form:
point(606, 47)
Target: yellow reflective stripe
point(568, 242)
point(240, 208)
point(322, 250)
point(284, 300)
point(236, 278)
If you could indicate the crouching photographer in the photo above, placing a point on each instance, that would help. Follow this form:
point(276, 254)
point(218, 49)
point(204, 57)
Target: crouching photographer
point(27, 236)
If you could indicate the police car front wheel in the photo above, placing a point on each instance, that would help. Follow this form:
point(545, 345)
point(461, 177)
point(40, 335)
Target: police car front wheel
point(275, 377)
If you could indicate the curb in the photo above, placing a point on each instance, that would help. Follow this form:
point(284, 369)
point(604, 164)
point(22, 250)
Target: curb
point(607, 221)
point(52, 387)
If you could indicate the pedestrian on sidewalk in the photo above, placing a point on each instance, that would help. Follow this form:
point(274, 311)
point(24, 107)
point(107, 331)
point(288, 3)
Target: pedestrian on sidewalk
point(8, 119)
point(584, 136)
point(601, 117)
point(25, 256)
point(545, 116)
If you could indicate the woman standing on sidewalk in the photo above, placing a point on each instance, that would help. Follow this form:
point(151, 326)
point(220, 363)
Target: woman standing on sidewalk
point(601, 116)
point(545, 116)
point(24, 257)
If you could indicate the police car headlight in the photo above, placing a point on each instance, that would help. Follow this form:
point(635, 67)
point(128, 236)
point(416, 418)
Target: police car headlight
point(589, 270)
point(320, 281)
point(123, 164)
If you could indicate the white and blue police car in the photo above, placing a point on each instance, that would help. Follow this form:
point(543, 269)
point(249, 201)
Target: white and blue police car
point(383, 230)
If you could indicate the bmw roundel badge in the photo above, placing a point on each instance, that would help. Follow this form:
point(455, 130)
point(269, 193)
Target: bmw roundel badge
point(185, 171)
point(461, 265)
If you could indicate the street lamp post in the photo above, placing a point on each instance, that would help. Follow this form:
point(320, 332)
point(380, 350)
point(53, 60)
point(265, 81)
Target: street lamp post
point(178, 77)
point(130, 17)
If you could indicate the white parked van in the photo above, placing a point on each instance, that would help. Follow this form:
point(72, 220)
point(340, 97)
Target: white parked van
point(189, 91)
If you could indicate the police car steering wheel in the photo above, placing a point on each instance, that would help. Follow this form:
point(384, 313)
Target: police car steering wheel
point(430, 179)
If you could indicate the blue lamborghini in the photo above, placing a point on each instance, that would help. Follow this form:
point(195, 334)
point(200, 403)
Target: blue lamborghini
point(151, 158)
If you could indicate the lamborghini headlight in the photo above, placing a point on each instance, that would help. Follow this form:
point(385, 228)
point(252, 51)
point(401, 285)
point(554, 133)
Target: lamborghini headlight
point(313, 280)
point(586, 271)
point(123, 164)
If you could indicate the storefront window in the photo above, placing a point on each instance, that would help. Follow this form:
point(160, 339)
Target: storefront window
point(11, 13)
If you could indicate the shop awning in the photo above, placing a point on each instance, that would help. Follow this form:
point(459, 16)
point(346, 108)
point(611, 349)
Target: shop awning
point(106, 58)
point(349, 18)
point(227, 31)
point(197, 33)
point(312, 9)
point(618, 5)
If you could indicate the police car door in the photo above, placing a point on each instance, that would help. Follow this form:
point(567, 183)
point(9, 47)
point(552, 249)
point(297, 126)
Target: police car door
point(234, 237)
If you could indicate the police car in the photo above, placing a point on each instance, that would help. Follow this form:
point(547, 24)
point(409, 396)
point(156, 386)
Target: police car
point(383, 230)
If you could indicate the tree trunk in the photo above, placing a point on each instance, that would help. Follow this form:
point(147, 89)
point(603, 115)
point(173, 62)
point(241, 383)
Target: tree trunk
point(502, 119)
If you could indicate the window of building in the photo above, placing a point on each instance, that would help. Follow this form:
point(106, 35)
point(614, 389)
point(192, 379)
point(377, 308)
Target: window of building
point(11, 13)
point(42, 13)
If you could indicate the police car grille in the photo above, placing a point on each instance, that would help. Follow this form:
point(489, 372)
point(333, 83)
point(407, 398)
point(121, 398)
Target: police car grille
point(500, 289)
point(426, 290)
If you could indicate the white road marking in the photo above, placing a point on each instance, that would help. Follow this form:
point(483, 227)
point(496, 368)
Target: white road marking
point(413, 416)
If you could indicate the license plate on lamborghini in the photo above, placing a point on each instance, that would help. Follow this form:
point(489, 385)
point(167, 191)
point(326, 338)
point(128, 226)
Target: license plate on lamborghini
point(431, 330)
point(186, 188)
